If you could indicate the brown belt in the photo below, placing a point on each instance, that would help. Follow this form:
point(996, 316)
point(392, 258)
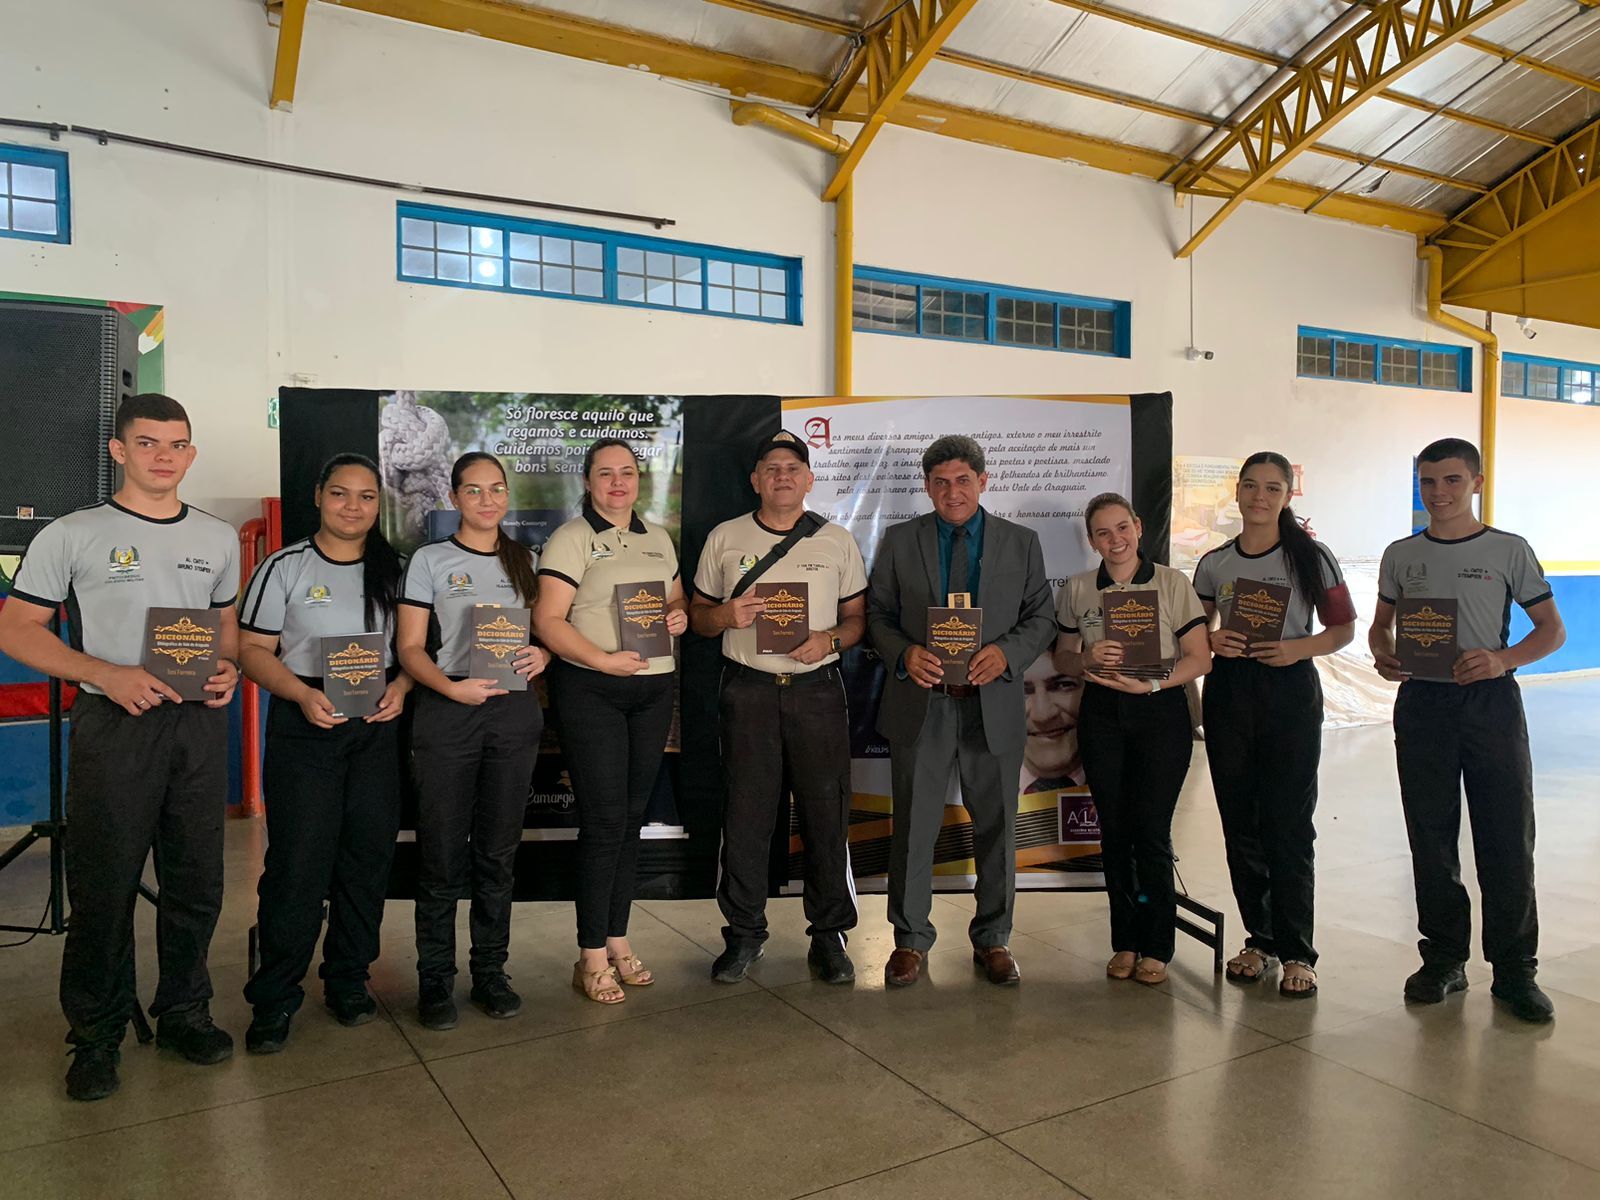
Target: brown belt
point(957, 691)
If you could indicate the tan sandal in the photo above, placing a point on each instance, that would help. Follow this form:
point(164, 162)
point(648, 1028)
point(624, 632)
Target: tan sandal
point(1249, 965)
point(631, 971)
point(594, 985)
point(1299, 980)
point(1121, 965)
point(1150, 972)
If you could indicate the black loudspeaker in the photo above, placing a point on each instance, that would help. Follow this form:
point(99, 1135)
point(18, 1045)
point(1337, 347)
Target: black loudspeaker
point(63, 370)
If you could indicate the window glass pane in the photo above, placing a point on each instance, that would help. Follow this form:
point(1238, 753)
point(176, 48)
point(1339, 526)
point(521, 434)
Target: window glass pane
point(487, 271)
point(525, 246)
point(1316, 357)
point(524, 275)
point(719, 273)
point(658, 291)
point(658, 264)
point(1024, 322)
point(452, 237)
point(688, 295)
point(878, 305)
point(746, 276)
point(1441, 369)
point(589, 283)
point(558, 279)
point(1354, 360)
point(774, 280)
point(630, 260)
point(1579, 387)
point(558, 251)
point(1544, 381)
point(453, 267)
point(747, 304)
point(417, 233)
point(1401, 364)
point(1512, 375)
point(485, 241)
point(417, 262)
point(34, 183)
point(719, 299)
point(588, 254)
point(950, 313)
point(687, 270)
point(774, 307)
point(630, 288)
point(32, 216)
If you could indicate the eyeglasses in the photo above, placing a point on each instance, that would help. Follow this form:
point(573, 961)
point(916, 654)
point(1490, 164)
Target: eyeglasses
point(473, 492)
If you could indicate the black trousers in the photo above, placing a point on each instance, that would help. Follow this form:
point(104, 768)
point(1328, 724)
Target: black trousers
point(613, 733)
point(474, 769)
point(1264, 743)
point(159, 780)
point(333, 809)
point(1136, 753)
point(1444, 735)
point(793, 737)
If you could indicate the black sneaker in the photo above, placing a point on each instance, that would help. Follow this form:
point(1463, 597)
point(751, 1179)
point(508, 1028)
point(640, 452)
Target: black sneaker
point(733, 964)
point(351, 1007)
point(1523, 999)
point(1433, 982)
point(493, 994)
point(436, 1004)
point(268, 1031)
point(195, 1036)
point(93, 1074)
point(828, 961)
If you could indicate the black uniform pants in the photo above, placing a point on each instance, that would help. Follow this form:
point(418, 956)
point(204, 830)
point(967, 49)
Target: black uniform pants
point(474, 769)
point(793, 736)
point(613, 733)
point(333, 809)
point(156, 780)
point(1444, 735)
point(1136, 751)
point(1264, 743)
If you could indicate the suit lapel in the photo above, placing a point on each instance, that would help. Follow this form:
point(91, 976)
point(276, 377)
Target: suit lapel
point(928, 542)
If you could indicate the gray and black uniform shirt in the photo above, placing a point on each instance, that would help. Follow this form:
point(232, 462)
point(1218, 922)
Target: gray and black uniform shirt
point(300, 596)
point(1483, 572)
point(447, 579)
point(1220, 569)
point(110, 566)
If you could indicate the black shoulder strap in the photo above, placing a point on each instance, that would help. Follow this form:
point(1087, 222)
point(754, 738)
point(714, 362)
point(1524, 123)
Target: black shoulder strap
point(808, 524)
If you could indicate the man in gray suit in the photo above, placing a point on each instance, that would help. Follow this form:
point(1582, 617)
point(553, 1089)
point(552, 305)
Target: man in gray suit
point(938, 728)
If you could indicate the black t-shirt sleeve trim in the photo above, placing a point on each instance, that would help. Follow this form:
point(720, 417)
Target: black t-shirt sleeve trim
point(409, 603)
point(1194, 624)
point(1060, 628)
point(1526, 604)
point(30, 598)
point(567, 579)
point(228, 603)
point(1207, 599)
point(260, 630)
point(1385, 599)
point(852, 596)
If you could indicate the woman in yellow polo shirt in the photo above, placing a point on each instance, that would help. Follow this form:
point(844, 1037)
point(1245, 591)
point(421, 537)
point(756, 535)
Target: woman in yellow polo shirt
point(612, 707)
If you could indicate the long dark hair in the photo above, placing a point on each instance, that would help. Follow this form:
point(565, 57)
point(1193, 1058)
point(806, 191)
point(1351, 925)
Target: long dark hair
point(380, 565)
point(588, 463)
point(1299, 548)
point(516, 560)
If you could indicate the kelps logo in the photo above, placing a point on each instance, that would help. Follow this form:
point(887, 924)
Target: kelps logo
point(318, 594)
point(124, 561)
point(461, 584)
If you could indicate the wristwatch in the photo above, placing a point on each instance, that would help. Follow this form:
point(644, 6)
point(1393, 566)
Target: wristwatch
point(1155, 686)
point(833, 643)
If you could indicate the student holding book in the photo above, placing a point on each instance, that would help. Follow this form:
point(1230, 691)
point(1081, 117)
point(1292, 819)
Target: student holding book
point(147, 769)
point(1133, 728)
point(1263, 715)
point(473, 742)
point(1442, 631)
point(610, 603)
point(317, 623)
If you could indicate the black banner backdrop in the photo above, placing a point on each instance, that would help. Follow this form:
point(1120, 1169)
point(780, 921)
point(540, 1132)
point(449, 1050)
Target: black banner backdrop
point(720, 434)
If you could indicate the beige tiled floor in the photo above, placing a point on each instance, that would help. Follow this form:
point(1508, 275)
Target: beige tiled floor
point(1069, 1086)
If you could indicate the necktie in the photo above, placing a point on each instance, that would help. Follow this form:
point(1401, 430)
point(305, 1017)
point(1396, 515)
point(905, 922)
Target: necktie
point(958, 559)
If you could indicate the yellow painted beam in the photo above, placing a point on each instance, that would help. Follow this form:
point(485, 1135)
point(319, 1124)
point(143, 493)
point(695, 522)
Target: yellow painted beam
point(286, 69)
point(1373, 52)
point(1489, 389)
point(794, 16)
point(1506, 54)
point(900, 45)
point(844, 290)
point(1266, 58)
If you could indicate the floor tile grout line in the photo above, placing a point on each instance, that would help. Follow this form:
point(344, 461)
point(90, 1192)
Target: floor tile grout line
point(828, 1187)
point(1478, 1121)
point(467, 1129)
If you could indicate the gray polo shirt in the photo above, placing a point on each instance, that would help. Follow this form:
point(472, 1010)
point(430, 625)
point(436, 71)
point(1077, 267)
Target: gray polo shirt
point(447, 579)
point(1080, 604)
point(1483, 572)
point(110, 566)
point(301, 596)
point(1217, 572)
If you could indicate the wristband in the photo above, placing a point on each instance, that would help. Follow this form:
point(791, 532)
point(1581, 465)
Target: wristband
point(1155, 686)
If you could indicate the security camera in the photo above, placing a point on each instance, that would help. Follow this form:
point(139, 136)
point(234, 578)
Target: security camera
point(1528, 331)
point(1195, 354)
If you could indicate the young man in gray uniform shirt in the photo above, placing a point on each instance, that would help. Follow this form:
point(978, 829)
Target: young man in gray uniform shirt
point(1468, 725)
point(147, 770)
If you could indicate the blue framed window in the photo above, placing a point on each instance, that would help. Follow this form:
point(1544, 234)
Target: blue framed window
point(34, 199)
point(1395, 362)
point(931, 306)
point(456, 248)
point(1550, 379)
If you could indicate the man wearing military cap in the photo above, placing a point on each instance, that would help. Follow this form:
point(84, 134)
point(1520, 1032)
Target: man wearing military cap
point(784, 721)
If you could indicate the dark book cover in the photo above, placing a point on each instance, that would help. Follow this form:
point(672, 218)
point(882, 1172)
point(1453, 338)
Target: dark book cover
point(352, 673)
point(1258, 610)
point(180, 648)
point(642, 619)
point(1133, 621)
point(497, 634)
point(1425, 637)
point(785, 622)
point(955, 634)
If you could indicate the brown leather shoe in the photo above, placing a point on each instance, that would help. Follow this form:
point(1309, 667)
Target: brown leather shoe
point(998, 964)
point(904, 967)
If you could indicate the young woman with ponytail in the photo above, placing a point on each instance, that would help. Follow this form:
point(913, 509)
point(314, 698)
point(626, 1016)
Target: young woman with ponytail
point(1263, 721)
point(332, 784)
point(473, 744)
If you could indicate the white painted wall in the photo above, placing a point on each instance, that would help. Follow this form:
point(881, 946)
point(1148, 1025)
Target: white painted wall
point(266, 278)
